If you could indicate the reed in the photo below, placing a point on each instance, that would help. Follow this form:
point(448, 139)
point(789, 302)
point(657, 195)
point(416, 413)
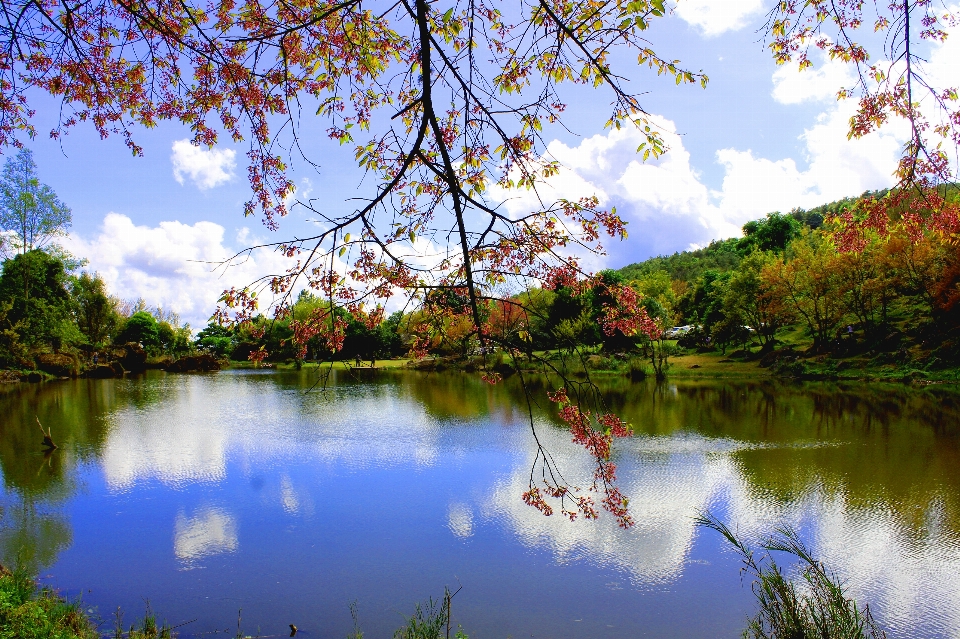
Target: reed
point(815, 608)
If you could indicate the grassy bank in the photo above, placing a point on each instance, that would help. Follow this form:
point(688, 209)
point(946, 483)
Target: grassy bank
point(28, 611)
point(337, 365)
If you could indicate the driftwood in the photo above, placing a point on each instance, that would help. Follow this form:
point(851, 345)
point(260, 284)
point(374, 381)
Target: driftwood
point(47, 439)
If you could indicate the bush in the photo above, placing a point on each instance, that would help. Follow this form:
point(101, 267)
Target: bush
point(637, 370)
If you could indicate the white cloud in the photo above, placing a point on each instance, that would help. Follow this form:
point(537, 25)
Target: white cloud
point(791, 86)
point(661, 200)
point(837, 168)
point(942, 67)
point(667, 206)
point(207, 168)
point(172, 265)
point(713, 17)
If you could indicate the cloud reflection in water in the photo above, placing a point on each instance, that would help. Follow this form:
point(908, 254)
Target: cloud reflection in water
point(211, 531)
point(755, 481)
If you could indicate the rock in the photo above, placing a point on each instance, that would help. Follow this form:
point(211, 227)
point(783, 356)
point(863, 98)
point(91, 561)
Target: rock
point(58, 364)
point(773, 357)
point(162, 363)
point(33, 376)
point(203, 363)
point(134, 358)
point(105, 371)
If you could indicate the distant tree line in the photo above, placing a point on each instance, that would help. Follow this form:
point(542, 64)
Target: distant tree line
point(783, 277)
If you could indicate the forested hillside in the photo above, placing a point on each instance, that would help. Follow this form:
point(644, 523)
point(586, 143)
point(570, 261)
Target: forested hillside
point(785, 281)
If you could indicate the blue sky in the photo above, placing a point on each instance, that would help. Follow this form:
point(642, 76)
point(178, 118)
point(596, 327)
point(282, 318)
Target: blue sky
point(759, 138)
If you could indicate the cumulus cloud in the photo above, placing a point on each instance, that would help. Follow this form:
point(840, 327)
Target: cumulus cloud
point(713, 17)
point(206, 168)
point(171, 265)
point(669, 208)
point(837, 167)
point(662, 200)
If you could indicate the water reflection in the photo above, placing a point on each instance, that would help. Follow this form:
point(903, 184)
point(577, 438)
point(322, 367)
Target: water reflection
point(33, 527)
point(460, 520)
point(867, 474)
point(154, 444)
point(664, 496)
point(209, 532)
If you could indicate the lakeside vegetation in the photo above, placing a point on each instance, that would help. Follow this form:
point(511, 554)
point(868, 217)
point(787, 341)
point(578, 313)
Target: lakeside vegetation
point(782, 299)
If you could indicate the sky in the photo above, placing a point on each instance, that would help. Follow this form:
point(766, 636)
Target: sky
point(759, 138)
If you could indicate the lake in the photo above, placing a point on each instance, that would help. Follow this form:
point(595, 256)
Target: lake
point(257, 492)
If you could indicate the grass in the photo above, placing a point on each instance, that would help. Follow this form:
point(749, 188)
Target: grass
point(713, 364)
point(815, 608)
point(28, 611)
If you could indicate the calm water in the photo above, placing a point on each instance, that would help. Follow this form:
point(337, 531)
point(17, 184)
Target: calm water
point(206, 494)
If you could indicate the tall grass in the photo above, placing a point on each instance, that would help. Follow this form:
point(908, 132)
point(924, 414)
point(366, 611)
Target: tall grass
point(429, 621)
point(816, 608)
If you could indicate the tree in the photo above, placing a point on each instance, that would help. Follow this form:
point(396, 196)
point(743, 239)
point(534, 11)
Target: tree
point(94, 311)
point(141, 327)
point(771, 234)
point(36, 284)
point(751, 298)
point(808, 279)
point(215, 339)
point(29, 210)
point(871, 279)
point(174, 339)
point(13, 352)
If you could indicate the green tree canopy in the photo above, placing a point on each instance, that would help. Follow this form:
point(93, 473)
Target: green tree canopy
point(93, 309)
point(35, 283)
point(770, 234)
point(140, 327)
